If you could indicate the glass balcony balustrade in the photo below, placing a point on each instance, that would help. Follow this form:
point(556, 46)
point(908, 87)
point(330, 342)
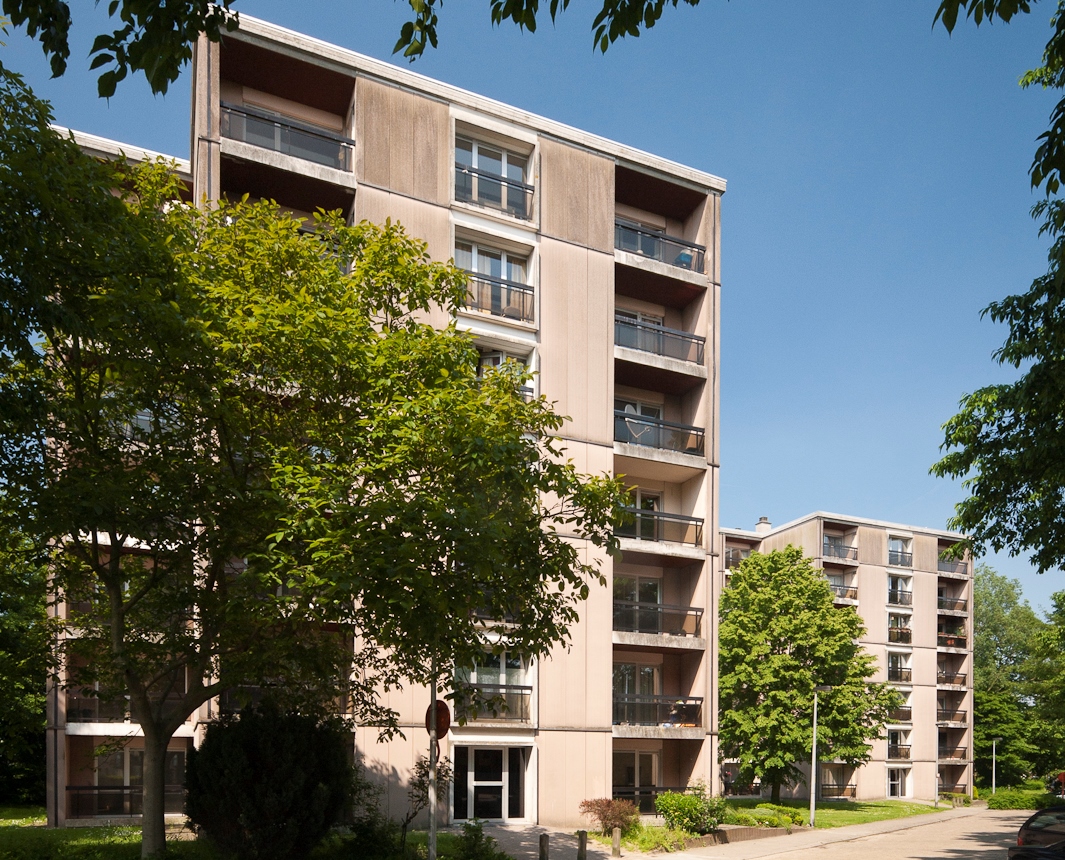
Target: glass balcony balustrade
point(659, 340)
point(633, 429)
point(657, 618)
point(288, 136)
point(658, 526)
point(655, 245)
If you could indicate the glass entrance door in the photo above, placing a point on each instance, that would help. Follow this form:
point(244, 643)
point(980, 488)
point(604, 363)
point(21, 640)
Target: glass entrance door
point(489, 783)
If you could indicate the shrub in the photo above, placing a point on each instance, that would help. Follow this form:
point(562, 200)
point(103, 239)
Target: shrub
point(472, 844)
point(757, 818)
point(956, 798)
point(609, 814)
point(692, 812)
point(793, 816)
point(648, 839)
point(268, 785)
point(1013, 798)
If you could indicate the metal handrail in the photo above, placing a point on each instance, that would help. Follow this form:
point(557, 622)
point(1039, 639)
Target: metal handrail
point(900, 598)
point(91, 709)
point(898, 751)
point(848, 592)
point(659, 246)
point(93, 801)
point(665, 711)
point(633, 616)
point(951, 640)
point(901, 715)
point(955, 679)
point(901, 635)
point(849, 790)
point(950, 716)
point(516, 700)
point(659, 340)
point(660, 526)
point(633, 429)
point(956, 754)
point(303, 140)
point(949, 565)
point(501, 297)
point(899, 558)
point(520, 205)
point(644, 795)
point(900, 674)
point(835, 550)
point(954, 604)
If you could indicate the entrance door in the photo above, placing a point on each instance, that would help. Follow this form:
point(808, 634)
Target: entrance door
point(490, 783)
point(635, 778)
point(896, 782)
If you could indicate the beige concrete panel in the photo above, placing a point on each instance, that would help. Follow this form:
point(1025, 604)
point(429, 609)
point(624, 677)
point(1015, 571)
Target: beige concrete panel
point(925, 552)
point(872, 545)
point(373, 137)
point(924, 612)
point(204, 131)
point(575, 183)
point(420, 220)
point(401, 166)
point(924, 661)
point(433, 167)
point(574, 766)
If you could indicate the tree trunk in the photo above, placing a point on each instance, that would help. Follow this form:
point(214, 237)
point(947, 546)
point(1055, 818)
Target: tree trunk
point(775, 796)
point(153, 828)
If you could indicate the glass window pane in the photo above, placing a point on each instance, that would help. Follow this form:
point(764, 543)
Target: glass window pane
point(490, 263)
point(488, 800)
point(647, 769)
point(110, 769)
point(174, 768)
point(464, 256)
point(647, 677)
point(516, 785)
point(463, 152)
point(136, 768)
point(488, 766)
point(624, 678)
point(490, 160)
point(624, 769)
point(624, 588)
point(649, 591)
point(461, 768)
point(515, 269)
point(515, 167)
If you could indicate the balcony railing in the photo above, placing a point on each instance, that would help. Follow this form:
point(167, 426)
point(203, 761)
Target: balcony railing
point(898, 558)
point(665, 711)
point(901, 635)
point(900, 674)
point(657, 433)
point(511, 300)
point(659, 340)
point(898, 751)
point(510, 702)
point(839, 790)
point(89, 709)
point(836, 550)
point(949, 715)
point(91, 801)
point(493, 191)
point(734, 557)
point(900, 598)
point(949, 565)
point(658, 526)
point(956, 788)
point(954, 604)
point(951, 640)
point(657, 618)
point(847, 592)
point(644, 796)
point(901, 715)
point(659, 246)
point(956, 754)
point(288, 136)
point(956, 679)
point(742, 789)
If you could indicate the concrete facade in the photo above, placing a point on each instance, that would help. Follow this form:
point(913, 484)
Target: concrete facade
point(917, 610)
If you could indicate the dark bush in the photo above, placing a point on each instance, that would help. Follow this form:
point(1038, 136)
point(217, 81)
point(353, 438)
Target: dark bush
point(609, 814)
point(268, 785)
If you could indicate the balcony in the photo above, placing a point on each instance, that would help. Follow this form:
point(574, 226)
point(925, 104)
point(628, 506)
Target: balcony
point(507, 702)
point(657, 619)
point(951, 679)
point(898, 752)
point(900, 598)
point(900, 635)
point(844, 592)
point(837, 550)
point(947, 565)
point(287, 136)
point(659, 340)
point(949, 715)
point(901, 715)
point(502, 298)
point(953, 604)
point(956, 788)
point(951, 640)
point(633, 429)
point(664, 711)
point(89, 709)
point(741, 789)
point(898, 558)
point(492, 191)
point(900, 674)
point(659, 526)
point(91, 801)
point(658, 246)
point(734, 556)
point(956, 754)
point(828, 791)
point(644, 796)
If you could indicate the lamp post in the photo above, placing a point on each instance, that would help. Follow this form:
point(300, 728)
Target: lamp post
point(820, 688)
point(994, 761)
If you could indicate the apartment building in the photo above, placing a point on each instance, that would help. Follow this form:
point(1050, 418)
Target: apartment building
point(597, 266)
point(917, 609)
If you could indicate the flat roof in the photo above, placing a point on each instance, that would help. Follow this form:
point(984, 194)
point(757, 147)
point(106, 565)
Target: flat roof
point(750, 534)
point(319, 52)
point(104, 147)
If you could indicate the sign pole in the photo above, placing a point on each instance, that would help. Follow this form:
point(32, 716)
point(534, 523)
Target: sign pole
point(432, 763)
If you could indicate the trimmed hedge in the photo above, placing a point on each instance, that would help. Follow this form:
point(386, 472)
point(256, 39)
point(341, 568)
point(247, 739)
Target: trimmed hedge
point(692, 812)
point(1012, 798)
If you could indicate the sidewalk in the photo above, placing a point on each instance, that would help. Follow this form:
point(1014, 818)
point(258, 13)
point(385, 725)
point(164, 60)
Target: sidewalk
point(522, 843)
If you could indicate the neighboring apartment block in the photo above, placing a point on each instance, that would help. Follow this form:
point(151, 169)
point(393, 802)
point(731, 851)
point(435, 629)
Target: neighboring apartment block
point(917, 609)
point(597, 266)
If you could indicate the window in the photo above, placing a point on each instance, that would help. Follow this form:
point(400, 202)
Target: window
point(896, 782)
point(636, 600)
point(498, 281)
point(635, 777)
point(497, 687)
point(630, 426)
point(493, 177)
point(637, 238)
point(495, 358)
point(899, 667)
point(734, 555)
point(899, 628)
point(899, 552)
point(635, 679)
point(899, 590)
point(646, 505)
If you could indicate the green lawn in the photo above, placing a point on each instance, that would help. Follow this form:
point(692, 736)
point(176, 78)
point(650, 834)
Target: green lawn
point(21, 816)
point(843, 813)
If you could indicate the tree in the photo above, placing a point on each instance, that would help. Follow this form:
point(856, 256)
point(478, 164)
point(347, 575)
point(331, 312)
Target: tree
point(244, 449)
point(1005, 632)
point(1000, 714)
point(781, 636)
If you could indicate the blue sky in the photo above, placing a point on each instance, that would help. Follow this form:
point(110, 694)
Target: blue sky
point(878, 200)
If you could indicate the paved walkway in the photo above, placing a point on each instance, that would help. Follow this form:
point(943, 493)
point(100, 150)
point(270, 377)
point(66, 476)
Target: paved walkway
point(522, 843)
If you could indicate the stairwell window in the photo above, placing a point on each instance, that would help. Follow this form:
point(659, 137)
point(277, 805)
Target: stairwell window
point(493, 177)
point(498, 282)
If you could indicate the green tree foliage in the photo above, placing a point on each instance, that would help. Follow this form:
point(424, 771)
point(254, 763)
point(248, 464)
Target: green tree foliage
point(781, 636)
point(1005, 632)
point(245, 448)
point(1000, 714)
point(269, 785)
point(25, 638)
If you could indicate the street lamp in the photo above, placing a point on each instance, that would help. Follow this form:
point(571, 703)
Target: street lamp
point(820, 688)
point(994, 762)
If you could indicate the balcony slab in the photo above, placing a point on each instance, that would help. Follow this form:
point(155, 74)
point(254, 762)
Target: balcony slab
point(957, 613)
point(666, 549)
point(660, 362)
point(642, 461)
point(657, 267)
point(658, 640)
point(688, 733)
point(287, 163)
point(121, 730)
